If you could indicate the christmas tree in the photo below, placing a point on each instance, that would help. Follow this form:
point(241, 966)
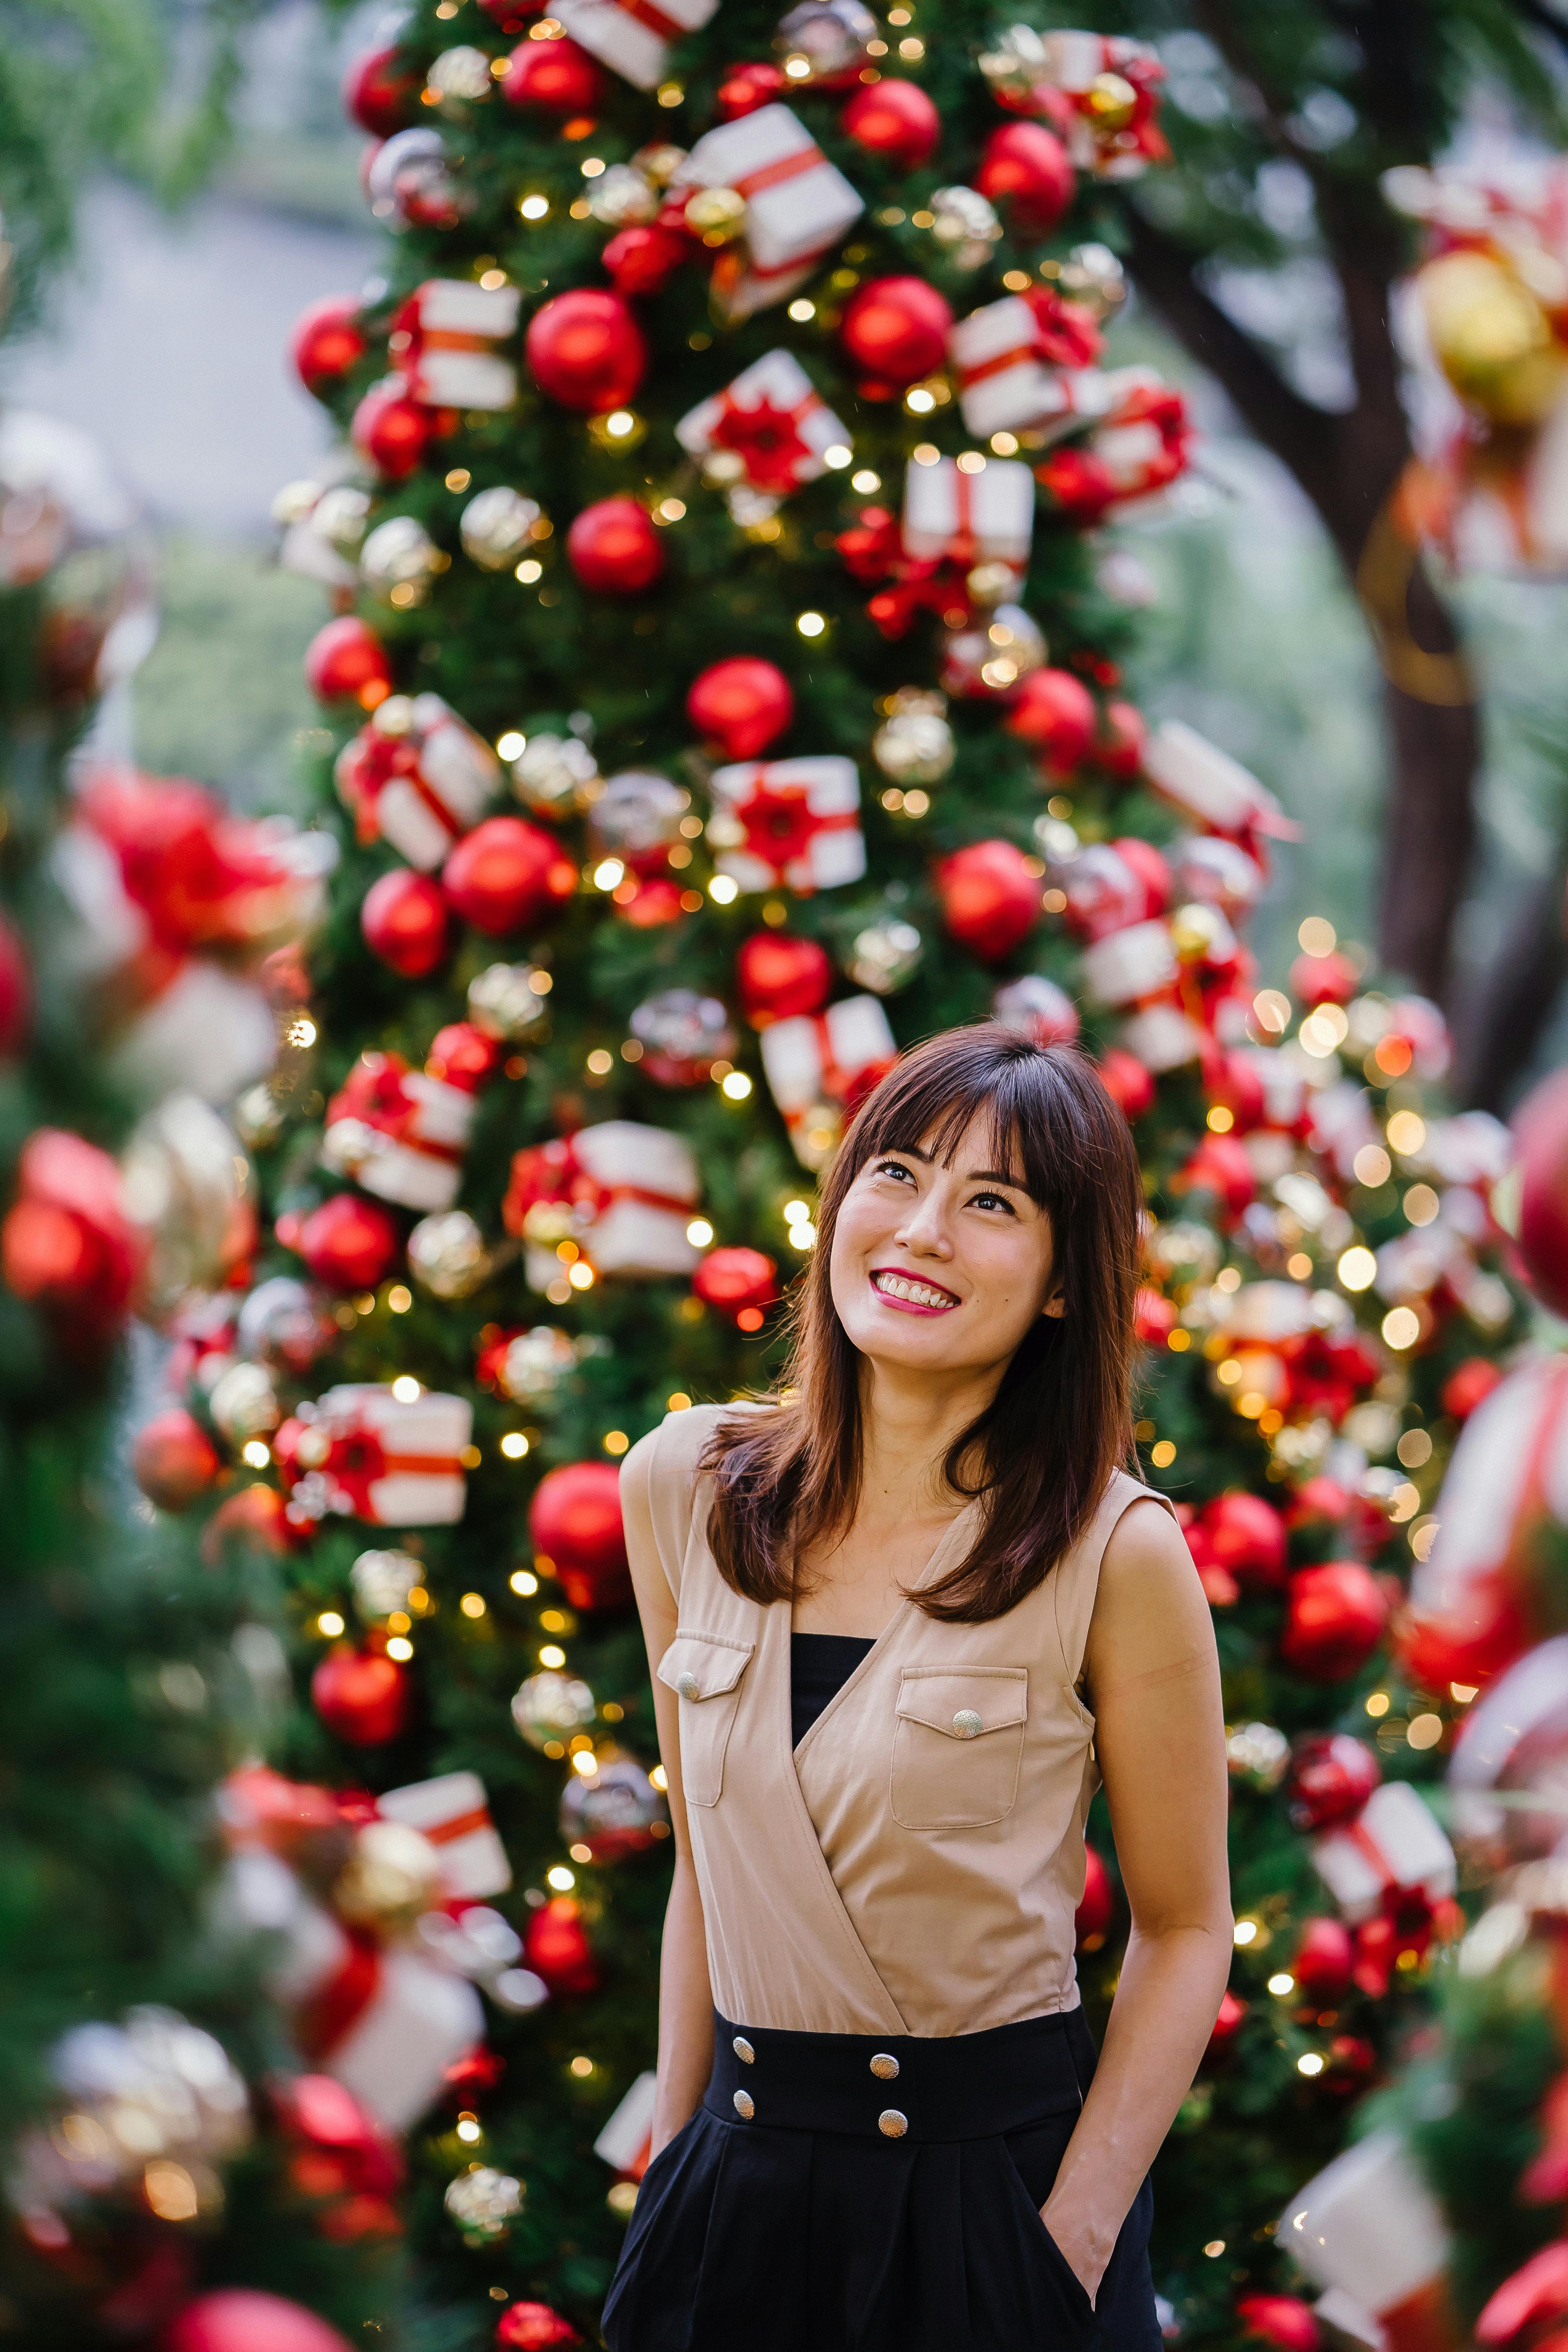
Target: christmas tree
point(724, 690)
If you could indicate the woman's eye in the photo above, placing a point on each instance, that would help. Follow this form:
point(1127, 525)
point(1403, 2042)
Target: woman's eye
point(992, 1200)
point(894, 1168)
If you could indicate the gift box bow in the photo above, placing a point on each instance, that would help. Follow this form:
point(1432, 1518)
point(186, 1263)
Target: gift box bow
point(774, 811)
point(773, 418)
point(552, 1196)
point(382, 1095)
point(373, 760)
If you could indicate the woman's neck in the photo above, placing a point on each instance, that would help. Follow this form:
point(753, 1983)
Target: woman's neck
point(906, 1428)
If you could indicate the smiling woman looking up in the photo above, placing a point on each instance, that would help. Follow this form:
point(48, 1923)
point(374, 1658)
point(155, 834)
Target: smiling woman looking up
point(903, 1617)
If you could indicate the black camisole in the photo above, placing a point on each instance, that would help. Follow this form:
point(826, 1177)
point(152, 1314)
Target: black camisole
point(819, 1666)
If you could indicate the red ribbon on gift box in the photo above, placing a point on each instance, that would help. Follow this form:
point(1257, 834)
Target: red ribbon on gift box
point(774, 174)
point(373, 1093)
point(376, 759)
point(779, 823)
point(551, 1175)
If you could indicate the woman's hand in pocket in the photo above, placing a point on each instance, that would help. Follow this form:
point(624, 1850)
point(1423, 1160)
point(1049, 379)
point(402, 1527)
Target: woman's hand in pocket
point(1076, 2242)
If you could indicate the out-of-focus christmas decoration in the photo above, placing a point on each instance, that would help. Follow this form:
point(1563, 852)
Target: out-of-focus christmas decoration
point(552, 1707)
point(391, 1452)
point(682, 1034)
point(617, 1198)
point(405, 921)
point(791, 823)
point(361, 1695)
point(444, 337)
point(820, 1066)
point(346, 662)
point(792, 206)
point(743, 703)
point(417, 777)
point(586, 351)
point(614, 548)
point(349, 1244)
point(615, 1809)
point(574, 1520)
point(895, 331)
point(497, 526)
point(505, 872)
point(244, 2319)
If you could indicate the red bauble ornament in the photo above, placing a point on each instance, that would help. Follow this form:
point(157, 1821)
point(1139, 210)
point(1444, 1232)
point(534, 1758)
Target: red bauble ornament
point(739, 1282)
point(1233, 1079)
point(1335, 1617)
point(643, 258)
point(1323, 978)
point(535, 2327)
point(1280, 2319)
point(556, 1945)
point(505, 872)
point(465, 1057)
point(614, 548)
point(1220, 1165)
point(173, 1459)
point(405, 922)
point(67, 1244)
point(1541, 1145)
point(379, 94)
point(743, 703)
point(586, 351)
point(346, 662)
point(1027, 168)
point(350, 1244)
point(778, 976)
point(1126, 1080)
point(15, 992)
point(555, 76)
point(574, 1520)
point(252, 1520)
point(1055, 712)
point(1123, 734)
point(1469, 1385)
point(895, 121)
point(327, 341)
point(361, 1695)
point(1324, 1958)
point(243, 2319)
point(391, 430)
point(1247, 1537)
point(1225, 2025)
point(745, 88)
point(895, 331)
point(990, 897)
point(1097, 1903)
point(1333, 1774)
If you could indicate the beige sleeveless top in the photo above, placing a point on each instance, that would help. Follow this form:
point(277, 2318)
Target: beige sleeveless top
point(913, 1866)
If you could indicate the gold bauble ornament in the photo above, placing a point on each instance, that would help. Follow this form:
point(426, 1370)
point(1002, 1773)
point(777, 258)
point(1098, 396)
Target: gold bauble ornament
point(1196, 930)
point(497, 525)
point(447, 1255)
point(716, 215)
point(188, 1187)
point(1490, 337)
point(460, 77)
point(1112, 101)
point(391, 1875)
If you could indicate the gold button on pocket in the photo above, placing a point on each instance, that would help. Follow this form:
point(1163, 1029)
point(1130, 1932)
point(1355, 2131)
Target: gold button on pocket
point(745, 2106)
point(958, 1746)
point(705, 1671)
point(744, 2050)
point(885, 2066)
point(891, 2124)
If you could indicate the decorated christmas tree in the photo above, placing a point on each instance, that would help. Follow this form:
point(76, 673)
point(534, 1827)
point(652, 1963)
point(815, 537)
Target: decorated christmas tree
point(724, 690)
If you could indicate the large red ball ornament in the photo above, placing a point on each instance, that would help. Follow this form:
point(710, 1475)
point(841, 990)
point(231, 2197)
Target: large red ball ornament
point(1323, 1961)
point(574, 1520)
point(15, 992)
point(379, 94)
point(1333, 1774)
point(535, 2327)
point(350, 1244)
point(1055, 713)
point(556, 1946)
point(586, 351)
point(1469, 1385)
point(1097, 1904)
point(243, 2319)
point(505, 872)
point(990, 897)
point(745, 88)
point(173, 1459)
point(895, 331)
point(1247, 1537)
point(895, 121)
point(778, 976)
point(1540, 1148)
point(1119, 750)
point(642, 259)
point(614, 548)
point(1226, 2025)
point(327, 341)
point(1221, 1165)
point(392, 431)
point(404, 921)
point(1128, 1082)
point(742, 704)
point(1283, 2320)
point(346, 662)
point(555, 76)
point(465, 1057)
point(361, 1695)
point(1027, 168)
point(255, 1521)
point(739, 1282)
point(1335, 1617)
point(67, 1244)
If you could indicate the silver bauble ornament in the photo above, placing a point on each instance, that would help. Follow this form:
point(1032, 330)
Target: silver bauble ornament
point(447, 1255)
point(483, 2202)
point(409, 179)
point(1180, 1253)
point(341, 516)
point(966, 223)
point(623, 197)
point(550, 1707)
point(536, 1362)
point(987, 659)
point(188, 1187)
point(636, 813)
point(613, 1810)
point(497, 526)
point(244, 1403)
point(460, 77)
point(1258, 1752)
point(1015, 62)
point(153, 2104)
point(1092, 274)
point(914, 744)
point(682, 1034)
point(504, 1002)
point(382, 1581)
point(1038, 1009)
point(831, 35)
point(258, 1117)
point(885, 955)
point(1206, 866)
point(555, 775)
point(284, 1325)
point(399, 553)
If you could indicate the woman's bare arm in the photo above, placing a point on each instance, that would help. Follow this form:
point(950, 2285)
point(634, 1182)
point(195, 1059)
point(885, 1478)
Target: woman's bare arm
point(1153, 1683)
point(685, 1998)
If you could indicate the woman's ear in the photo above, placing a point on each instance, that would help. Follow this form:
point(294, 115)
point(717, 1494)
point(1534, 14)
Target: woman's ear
point(1055, 1304)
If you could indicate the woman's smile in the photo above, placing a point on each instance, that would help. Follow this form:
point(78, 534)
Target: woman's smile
point(911, 1294)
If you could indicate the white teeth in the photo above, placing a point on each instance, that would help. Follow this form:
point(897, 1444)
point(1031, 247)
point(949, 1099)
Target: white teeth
point(919, 1294)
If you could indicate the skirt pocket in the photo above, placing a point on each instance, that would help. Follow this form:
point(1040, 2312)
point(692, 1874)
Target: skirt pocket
point(648, 2305)
point(1066, 2314)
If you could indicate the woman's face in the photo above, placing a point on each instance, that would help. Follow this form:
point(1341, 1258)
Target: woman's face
point(938, 1265)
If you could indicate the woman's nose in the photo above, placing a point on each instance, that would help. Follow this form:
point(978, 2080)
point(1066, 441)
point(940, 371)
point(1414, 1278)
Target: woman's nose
point(925, 1230)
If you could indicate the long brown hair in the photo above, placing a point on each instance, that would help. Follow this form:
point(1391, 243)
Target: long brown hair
point(1041, 1452)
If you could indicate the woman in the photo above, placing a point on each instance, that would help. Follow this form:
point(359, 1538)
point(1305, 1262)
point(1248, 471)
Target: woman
point(898, 1615)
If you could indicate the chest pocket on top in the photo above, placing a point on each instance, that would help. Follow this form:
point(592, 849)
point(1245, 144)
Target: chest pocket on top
point(704, 1670)
point(958, 1746)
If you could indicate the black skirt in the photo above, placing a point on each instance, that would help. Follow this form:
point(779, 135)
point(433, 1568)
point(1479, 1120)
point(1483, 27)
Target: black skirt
point(838, 2192)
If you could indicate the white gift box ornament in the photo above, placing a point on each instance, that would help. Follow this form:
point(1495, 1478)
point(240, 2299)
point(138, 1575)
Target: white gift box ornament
point(419, 2020)
point(417, 776)
point(798, 204)
point(451, 327)
point(399, 1133)
point(1208, 787)
point(773, 418)
point(452, 1811)
point(624, 1193)
point(1002, 380)
point(1370, 2232)
point(1163, 1037)
point(366, 1452)
point(634, 36)
point(795, 823)
point(1136, 961)
point(956, 515)
point(626, 2139)
point(819, 1059)
point(1394, 1842)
